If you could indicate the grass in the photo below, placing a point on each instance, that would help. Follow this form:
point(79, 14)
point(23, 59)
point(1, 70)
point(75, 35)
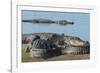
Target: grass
point(26, 57)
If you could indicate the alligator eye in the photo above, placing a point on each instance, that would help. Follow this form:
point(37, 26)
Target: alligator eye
point(72, 22)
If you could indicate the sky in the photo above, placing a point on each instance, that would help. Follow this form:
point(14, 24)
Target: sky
point(81, 27)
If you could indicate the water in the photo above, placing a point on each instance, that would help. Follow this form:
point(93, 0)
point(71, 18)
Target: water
point(81, 28)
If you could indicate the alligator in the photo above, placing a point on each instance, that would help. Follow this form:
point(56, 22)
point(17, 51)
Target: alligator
point(47, 21)
point(42, 44)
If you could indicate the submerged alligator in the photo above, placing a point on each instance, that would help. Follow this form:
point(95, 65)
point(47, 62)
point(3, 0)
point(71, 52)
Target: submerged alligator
point(48, 21)
point(52, 44)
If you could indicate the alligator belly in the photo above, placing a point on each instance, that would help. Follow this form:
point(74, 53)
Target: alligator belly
point(75, 50)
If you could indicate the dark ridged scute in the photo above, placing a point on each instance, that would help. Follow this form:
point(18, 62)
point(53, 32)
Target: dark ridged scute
point(41, 44)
